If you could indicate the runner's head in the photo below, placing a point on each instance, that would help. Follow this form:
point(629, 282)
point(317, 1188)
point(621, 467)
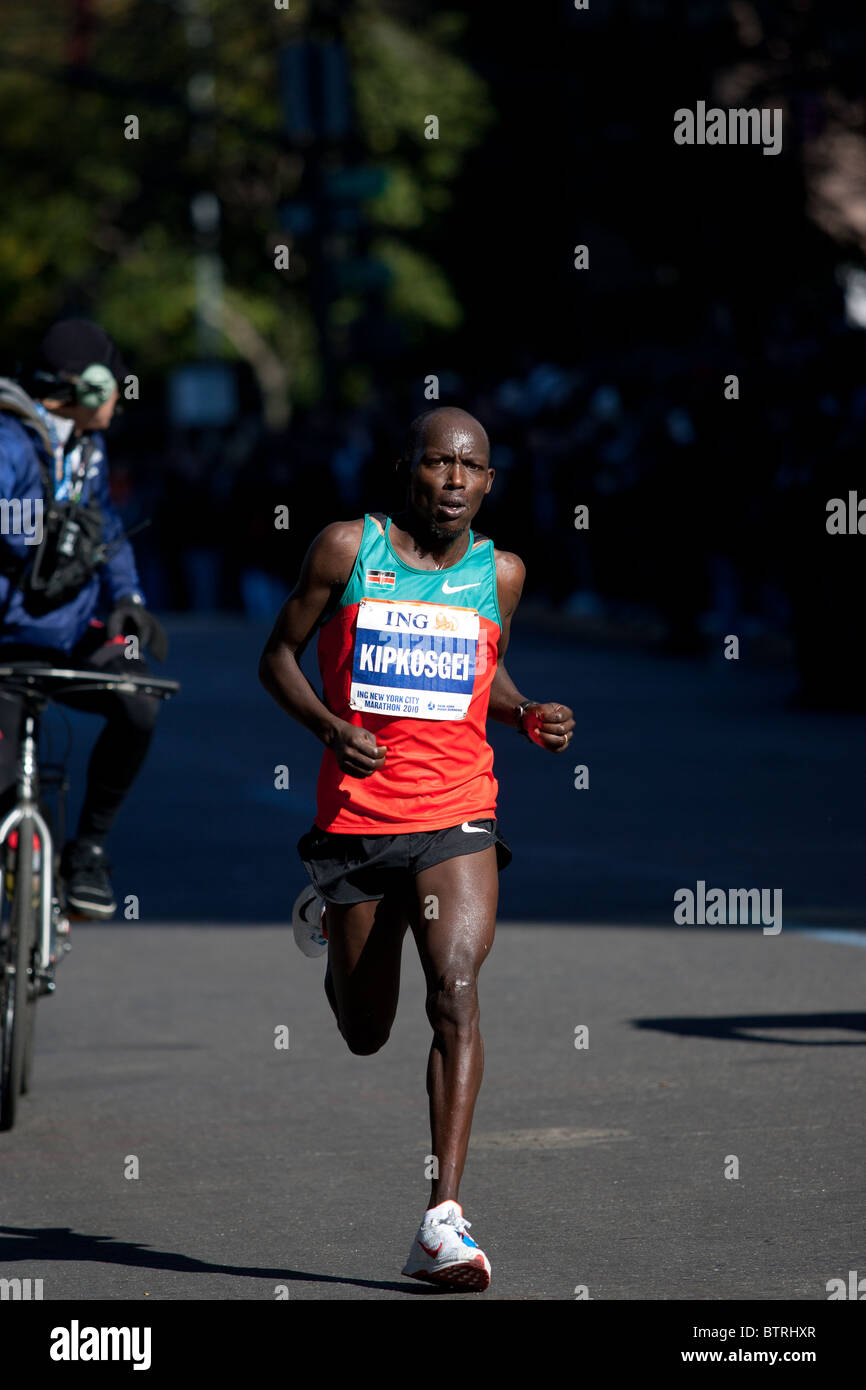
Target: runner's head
point(446, 460)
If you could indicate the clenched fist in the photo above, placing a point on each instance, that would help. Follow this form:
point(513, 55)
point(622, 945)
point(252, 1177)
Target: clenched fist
point(356, 751)
point(548, 725)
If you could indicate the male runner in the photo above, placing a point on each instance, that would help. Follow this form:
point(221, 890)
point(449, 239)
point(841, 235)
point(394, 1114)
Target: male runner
point(414, 612)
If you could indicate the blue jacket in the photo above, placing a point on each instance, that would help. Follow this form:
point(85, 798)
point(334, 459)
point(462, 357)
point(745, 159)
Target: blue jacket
point(21, 477)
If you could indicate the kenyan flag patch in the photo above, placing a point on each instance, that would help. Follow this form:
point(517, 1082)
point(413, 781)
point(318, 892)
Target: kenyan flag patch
point(386, 579)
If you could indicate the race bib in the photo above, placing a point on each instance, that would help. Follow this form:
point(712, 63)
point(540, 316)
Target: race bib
point(414, 660)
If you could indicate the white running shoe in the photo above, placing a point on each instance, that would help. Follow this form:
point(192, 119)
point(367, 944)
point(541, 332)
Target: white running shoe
point(443, 1253)
point(308, 921)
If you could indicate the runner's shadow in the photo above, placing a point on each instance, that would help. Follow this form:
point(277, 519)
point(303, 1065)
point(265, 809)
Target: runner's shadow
point(747, 1028)
point(18, 1243)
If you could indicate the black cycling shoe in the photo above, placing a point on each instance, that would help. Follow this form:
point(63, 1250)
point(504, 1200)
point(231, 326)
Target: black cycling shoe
point(84, 867)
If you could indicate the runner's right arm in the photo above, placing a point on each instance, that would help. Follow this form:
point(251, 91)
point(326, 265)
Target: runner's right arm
point(324, 575)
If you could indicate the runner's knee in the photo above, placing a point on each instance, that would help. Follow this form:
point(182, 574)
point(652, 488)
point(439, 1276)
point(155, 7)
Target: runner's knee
point(453, 1004)
point(363, 1039)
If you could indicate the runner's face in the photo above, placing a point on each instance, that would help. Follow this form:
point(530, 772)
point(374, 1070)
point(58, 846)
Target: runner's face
point(451, 476)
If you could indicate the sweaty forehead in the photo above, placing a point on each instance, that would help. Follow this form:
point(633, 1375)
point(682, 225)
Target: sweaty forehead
point(454, 432)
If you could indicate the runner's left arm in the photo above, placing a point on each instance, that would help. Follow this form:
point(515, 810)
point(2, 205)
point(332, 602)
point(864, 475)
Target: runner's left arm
point(554, 720)
point(504, 695)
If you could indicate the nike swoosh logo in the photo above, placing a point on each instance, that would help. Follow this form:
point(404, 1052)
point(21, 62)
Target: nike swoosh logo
point(473, 829)
point(458, 588)
point(428, 1251)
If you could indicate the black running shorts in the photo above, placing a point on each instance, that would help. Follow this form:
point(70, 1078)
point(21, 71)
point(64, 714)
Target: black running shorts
point(361, 868)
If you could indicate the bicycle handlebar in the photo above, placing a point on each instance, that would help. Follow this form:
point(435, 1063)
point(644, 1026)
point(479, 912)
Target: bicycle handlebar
point(24, 677)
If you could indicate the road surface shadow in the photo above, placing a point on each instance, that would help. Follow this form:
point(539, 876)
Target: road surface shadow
point(746, 1027)
point(20, 1243)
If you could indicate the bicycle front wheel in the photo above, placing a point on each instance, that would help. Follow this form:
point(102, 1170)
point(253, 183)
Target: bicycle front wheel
point(34, 993)
point(18, 990)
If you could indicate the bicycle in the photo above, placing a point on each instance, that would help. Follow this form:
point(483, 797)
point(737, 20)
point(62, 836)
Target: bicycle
point(34, 926)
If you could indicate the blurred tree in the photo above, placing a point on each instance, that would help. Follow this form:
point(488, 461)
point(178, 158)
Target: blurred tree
point(97, 209)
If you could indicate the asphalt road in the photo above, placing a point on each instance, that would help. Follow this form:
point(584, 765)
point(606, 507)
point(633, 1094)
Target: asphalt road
point(601, 1166)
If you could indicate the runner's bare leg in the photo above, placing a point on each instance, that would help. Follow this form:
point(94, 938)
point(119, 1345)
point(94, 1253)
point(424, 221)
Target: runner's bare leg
point(362, 982)
point(453, 947)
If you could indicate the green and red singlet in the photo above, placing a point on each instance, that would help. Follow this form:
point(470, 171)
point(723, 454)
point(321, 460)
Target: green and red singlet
point(410, 655)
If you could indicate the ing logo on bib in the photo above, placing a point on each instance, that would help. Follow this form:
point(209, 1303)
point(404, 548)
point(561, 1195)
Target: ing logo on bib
point(414, 660)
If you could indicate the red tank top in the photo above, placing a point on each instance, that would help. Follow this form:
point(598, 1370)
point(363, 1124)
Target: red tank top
point(410, 655)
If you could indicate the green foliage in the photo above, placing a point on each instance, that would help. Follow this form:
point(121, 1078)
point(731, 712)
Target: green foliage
point(419, 293)
point(100, 224)
point(402, 75)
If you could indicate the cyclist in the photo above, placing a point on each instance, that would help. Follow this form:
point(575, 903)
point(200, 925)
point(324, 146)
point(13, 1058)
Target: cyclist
point(69, 589)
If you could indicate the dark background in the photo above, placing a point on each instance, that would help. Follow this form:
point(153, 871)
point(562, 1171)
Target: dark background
point(455, 257)
point(605, 387)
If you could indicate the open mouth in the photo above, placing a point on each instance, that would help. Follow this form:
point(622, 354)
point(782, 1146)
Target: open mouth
point(451, 509)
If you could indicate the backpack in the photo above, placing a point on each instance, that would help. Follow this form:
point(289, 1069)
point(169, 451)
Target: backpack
point(71, 548)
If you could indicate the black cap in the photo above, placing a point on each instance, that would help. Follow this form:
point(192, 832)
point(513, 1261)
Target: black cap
point(70, 345)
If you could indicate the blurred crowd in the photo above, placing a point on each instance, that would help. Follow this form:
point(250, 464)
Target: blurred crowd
point(706, 496)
